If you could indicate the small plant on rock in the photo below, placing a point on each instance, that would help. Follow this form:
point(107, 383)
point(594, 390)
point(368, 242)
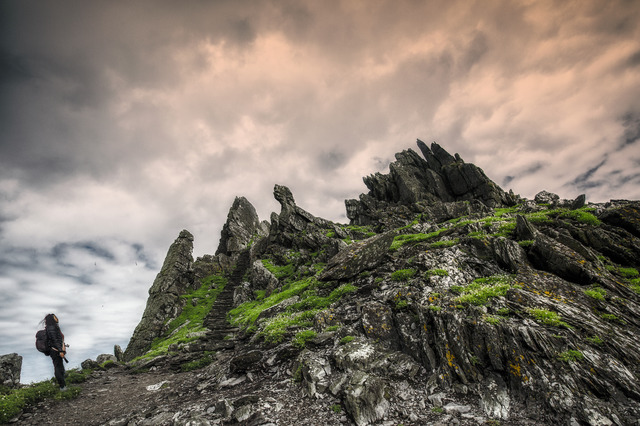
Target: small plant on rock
point(403, 275)
point(346, 339)
point(597, 293)
point(570, 356)
point(548, 318)
point(301, 338)
point(436, 273)
point(596, 340)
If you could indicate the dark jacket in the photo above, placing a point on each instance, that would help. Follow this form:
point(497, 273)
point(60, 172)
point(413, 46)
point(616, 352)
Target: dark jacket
point(55, 337)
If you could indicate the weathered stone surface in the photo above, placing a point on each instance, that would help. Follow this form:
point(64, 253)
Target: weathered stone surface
point(118, 353)
point(10, 369)
point(626, 216)
point(365, 400)
point(101, 359)
point(579, 202)
point(358, 257)
point(550, 255)
point(245, 362)
point(89, 364)
point(241, 228)
point(164, 301)
point(524, 229)
point(509, 254)
point(544, 197)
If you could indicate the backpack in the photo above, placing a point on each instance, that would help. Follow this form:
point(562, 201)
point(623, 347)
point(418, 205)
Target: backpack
point(42, 343)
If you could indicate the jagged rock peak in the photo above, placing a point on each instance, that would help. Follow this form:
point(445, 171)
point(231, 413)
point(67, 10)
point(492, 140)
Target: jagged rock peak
point(164, 301)
point(284, 196)
point(439, 177)
point(241, 227)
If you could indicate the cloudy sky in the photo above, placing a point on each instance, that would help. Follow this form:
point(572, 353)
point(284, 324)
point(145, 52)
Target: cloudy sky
point(123, 123)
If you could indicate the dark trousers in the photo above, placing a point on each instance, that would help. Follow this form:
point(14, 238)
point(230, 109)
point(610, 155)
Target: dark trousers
point(58, 367)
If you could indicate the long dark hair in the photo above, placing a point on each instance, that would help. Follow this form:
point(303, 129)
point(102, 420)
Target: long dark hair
point(50, 319)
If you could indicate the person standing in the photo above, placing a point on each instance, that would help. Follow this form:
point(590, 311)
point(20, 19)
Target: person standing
point(55, 340)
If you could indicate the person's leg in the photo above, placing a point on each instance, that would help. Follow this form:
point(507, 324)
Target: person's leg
point(58, 369)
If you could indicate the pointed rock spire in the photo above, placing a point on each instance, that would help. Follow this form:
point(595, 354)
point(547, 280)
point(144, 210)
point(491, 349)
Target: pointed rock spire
point(164, 301)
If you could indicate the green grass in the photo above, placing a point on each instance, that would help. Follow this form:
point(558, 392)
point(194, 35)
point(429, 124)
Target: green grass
point(629, 273)
point(581, 216)
point(299, 314)
point(610, 317)
point(499, 212)
point(436, 273)
point(275, 328)
point(504, 312)
point(597, 293)
point(403, 239)
point(526, 243)
point(548, 318)
point(206, 359)
point(77, 376)
point(181, 330)
point(505, 230)
point(492, 320)
point(635, 285)
point(13, 401)
point(482, 289)
point(401, 304)
point(311, 301)
point(596, 340)
point(301, 338)
point(247, 313)
point(570, 356)
point(445, 243)
point(402, 275)
point(346, 339)
point(280, 272)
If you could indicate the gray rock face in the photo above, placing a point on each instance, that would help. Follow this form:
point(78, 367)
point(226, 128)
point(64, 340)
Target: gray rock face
point(358, 257)
point(10, 369)
point(164, 301)
point(242, 227)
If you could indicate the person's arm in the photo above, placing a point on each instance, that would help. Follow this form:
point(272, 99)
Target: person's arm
point(55, 339)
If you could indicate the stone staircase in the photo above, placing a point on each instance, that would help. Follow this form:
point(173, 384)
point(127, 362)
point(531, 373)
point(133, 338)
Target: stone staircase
point(221, 334)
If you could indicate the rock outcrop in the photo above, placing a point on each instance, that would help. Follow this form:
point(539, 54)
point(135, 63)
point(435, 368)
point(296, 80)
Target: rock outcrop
point(241, 228)
point(414, 182)
point(164, 303)
point(10, 369)
point(445, 300)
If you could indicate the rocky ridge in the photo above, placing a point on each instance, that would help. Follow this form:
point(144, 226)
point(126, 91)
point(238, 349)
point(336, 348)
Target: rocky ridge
point(446, 300)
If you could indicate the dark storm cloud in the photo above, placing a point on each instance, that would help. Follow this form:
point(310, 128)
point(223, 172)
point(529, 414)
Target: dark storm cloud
point(584, 180)
point(631, 123)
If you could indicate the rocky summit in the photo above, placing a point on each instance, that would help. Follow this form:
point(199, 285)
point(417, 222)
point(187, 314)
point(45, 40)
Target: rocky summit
point(445, 300)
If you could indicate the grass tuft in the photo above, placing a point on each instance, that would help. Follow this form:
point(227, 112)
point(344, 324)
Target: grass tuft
point(548, 318)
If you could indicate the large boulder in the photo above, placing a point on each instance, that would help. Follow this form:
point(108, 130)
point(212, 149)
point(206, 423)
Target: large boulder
point(358, 257)
point(10, 368)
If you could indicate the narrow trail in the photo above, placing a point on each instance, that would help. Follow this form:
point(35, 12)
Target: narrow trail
point(107, 395)
point(216, 320)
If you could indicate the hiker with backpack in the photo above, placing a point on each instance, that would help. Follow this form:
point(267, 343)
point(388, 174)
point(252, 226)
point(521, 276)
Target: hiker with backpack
point(50, 341)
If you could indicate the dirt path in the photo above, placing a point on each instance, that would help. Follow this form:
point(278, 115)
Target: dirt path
point(106, 396)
